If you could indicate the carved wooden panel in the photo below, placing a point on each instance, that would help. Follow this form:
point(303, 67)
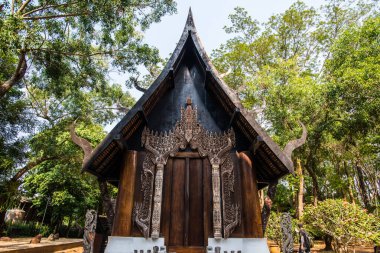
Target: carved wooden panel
point(215, 146)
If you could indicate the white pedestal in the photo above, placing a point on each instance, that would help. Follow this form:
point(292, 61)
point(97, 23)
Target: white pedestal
point(120, 244)
point(244, 245)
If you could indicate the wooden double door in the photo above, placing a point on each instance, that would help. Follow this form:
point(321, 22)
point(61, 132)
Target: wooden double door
point(186, 201)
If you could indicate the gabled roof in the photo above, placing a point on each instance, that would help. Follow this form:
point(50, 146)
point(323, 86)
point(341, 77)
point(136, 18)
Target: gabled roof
point(272, 163)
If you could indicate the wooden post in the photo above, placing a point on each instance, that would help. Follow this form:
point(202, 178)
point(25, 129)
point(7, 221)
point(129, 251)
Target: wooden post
point(250, 199)
point(122, 225)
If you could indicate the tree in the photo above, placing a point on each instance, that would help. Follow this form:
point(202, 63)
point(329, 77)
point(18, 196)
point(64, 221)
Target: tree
point(354, 92)
point(55, 60)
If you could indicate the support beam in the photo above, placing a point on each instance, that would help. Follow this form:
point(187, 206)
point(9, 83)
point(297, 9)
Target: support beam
point(122, 225)
point(250, 197)
point(216, 200)
point(156, 217)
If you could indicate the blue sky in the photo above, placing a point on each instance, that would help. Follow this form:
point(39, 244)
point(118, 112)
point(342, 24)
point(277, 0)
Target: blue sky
point(210, 16)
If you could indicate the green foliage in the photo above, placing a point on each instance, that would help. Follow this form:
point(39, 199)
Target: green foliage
point(28, 229)
point(346, 223)
point(59, 179)
point(74, 44)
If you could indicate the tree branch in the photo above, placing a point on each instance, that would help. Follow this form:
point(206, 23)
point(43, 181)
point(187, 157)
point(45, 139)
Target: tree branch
point(110, 52)
point(13, 7)
point(55, 16)
point(137, 85)
point(23, 6)
point(30, 166)
point(45, 7)
point(84, 144)
point(18, 74)
point(292, 145)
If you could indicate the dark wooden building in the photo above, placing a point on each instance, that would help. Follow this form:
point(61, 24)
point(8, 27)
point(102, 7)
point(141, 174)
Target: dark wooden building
point(189, 161)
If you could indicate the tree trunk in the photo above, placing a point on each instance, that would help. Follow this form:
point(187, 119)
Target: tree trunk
point(69, 226)
point(350, 186)
point(272, 188)
point(363, 190)
point(30, 166)
point(310, 169)
point(261, 199)
point(328, 243)
point(300, 190)
point(18, 74)
point(106, 202)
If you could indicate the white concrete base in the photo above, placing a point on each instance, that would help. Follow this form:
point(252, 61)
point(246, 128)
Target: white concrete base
point(244, 245)
point(121, 244)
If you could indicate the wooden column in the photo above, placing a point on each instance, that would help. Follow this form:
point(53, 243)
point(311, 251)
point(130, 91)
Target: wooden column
point(250, 199)
point(122, 225)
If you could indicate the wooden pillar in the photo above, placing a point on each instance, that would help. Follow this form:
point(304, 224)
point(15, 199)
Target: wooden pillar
point(250, 199)
point(122, 225)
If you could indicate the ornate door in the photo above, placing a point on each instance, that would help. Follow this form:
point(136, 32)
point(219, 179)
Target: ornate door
point(183, 221)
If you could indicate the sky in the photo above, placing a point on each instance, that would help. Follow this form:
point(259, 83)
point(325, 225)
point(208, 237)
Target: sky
point(210, 16)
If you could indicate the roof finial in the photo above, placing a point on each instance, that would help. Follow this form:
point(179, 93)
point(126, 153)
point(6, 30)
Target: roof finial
point(190, 21)
point(188, 101)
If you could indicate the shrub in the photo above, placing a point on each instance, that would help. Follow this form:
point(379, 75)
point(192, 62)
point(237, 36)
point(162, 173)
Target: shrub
point(346, 223)
point(273, 229)
point(28, 229)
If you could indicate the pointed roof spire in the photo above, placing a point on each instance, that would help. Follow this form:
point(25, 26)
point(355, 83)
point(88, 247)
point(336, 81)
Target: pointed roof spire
point(190, 20)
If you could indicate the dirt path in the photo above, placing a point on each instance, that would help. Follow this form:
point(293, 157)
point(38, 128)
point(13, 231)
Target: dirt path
point(320, 245)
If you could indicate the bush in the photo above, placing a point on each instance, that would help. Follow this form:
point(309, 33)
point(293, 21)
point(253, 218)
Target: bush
point(346, 223)
point(29, 229)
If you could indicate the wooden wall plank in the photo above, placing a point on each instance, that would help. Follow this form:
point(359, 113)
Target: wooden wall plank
point(177, 226)
point(251, 215)
point(166, 201)
point(122, 225)
point(196, 234)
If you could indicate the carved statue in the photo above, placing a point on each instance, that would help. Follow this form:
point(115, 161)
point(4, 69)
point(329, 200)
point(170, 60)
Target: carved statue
point(89, 231)
point(287, 237)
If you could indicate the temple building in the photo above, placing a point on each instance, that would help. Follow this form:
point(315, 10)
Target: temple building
point(188, 161)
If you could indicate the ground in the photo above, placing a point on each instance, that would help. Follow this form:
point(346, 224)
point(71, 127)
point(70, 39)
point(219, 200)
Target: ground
point(67, 245)
point(320, 245)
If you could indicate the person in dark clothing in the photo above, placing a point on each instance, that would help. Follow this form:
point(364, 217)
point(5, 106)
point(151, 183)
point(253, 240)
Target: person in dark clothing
point(304, 240)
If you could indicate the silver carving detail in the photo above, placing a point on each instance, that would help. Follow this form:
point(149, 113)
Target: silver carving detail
point(142, 211)
point(231, 211)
